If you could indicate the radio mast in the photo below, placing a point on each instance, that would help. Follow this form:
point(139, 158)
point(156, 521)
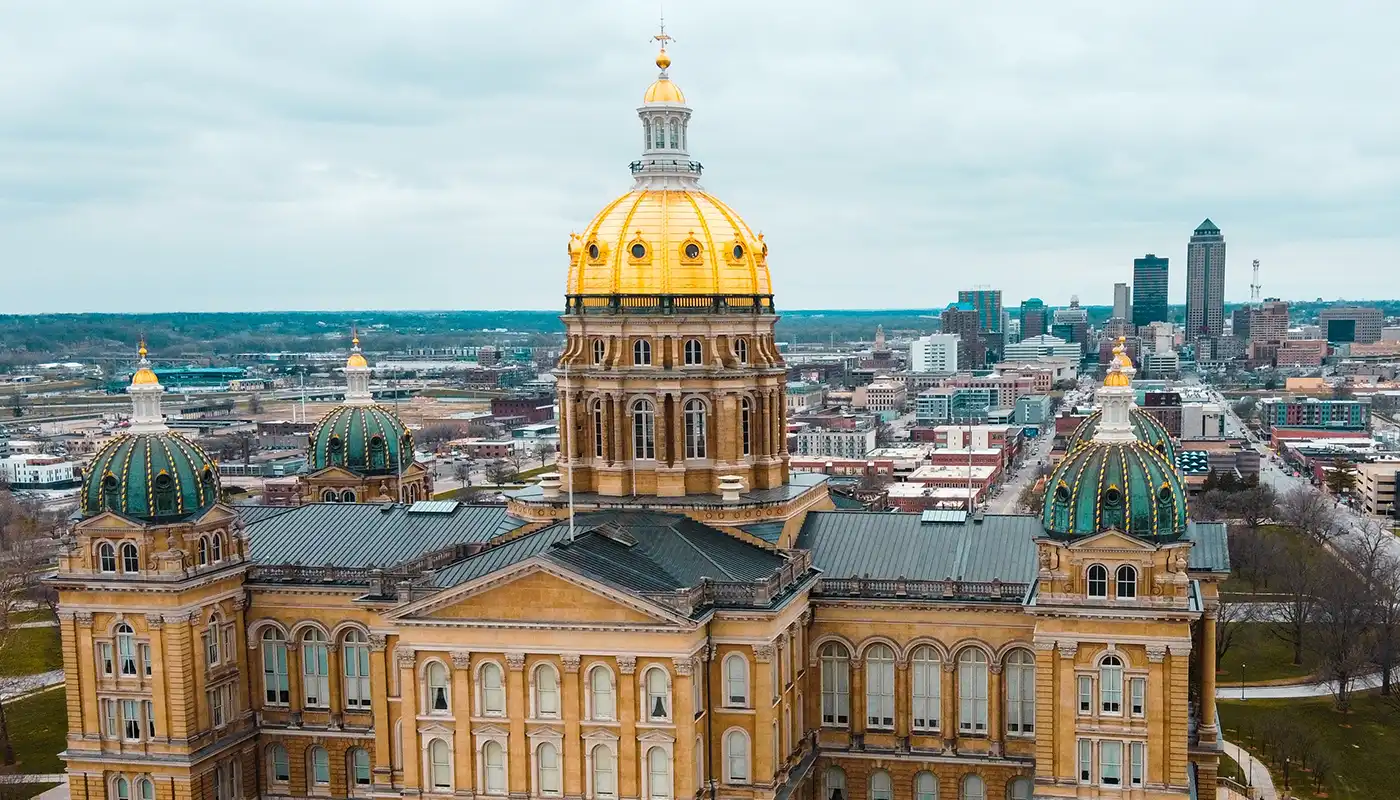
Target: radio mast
point(1255, 287)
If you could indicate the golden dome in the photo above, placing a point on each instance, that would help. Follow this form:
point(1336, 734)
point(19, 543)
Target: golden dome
point(668, 242)
point(1116, 378)
point(356, 359)
point(144, 377)
point(663, 90)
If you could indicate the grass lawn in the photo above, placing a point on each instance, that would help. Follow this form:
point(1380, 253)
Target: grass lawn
point(1265, 657)
point(1362, 748)
point(27, 651)
point(39, 729)
point(32, 615)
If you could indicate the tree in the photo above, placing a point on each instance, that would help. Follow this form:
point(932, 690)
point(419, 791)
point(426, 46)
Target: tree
point(1211, 505)
point(1342, 391)
point(1340, 634)
point(1255, 505)
point(1032, 497)
point(255, 403)
point(500, 471)
point(1369, 555)
point(1308, 511)
point(431, 436)
point(1228, 617)
point(884, 435)
point(1296, 573)
point(542, 450)
point(27, 541)
point(1341, 476)
point(462, 472)
point(1246, 407)
point(17, 404)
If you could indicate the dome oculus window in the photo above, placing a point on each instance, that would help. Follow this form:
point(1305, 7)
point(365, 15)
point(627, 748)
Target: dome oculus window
point(593, 251)
point(639, 250)
point(1164, 495)
point(1062, 493)
point(738, 251)
point(691, 250)
point(1112, 496)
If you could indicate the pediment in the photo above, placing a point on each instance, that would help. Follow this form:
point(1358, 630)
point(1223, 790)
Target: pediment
point(545, 732)
point(538, 591)
point(335, 472)
point(111, 521)
point(601, 735)
point(435, 729)
point(656, 737)
point(1113, 540)
point(490, 730)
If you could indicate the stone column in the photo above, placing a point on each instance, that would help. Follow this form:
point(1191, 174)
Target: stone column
point(77, 630)
point(241, 656)
point(1179, 664)
point(994, 710)
point(180, 659)
point(379, 707)
point(857, 694)
point(947, 695)
point(1065, 768)
point(155, 633)
point(464, 748)
point(1158, 713)
point(1206, 660)
point(764, 714)
point(775, 422)
point(682, 713)
point(664, 412)
point(571, 707)
point(517, 709)
point(335, 673)
point(628, 762)
point(677, 424)
point(405, 660)
point(1049, 707)
point(296, 699)
point(622, 448)
point(902, 695)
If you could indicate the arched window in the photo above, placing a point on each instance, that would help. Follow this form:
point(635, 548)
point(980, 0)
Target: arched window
point(600, 350)
point(440, 764)
point(494, 755)
point(274, 655)
point(1098, 581)
point(834, 784)
point(359, 767)
point(438, 700)
point(675, 135)
point(547, 761)
point(879, 687)
point(279, 766)
point(163, 490)
point(330, 496)
point(926, 684)
point(131, 561)
point(972, 691)
point(335, 450)
point(320, 766)
point(216, 548)
point(604, 772)
point(741, 350)
point(106, 557)
point(203, 550)
point(881, 787)
point(315, 668)
point(356, 670)
point(493, 690)
point(659, 141)
point(925, 786)
point(1020, 693)
point(974, 788)
point(736, 681)
point(746, 425)
point(546, 691)
point(695, 428)
point(600, 693)
point(1125, 582)
point(658, 774)
point(641, 353)
point(646, 134)
point(145, 789)
point(1111, 685)
point(694, 353)
point(378, 453)
point(121, 790)
point(658, 699)
point(1019, 789)
point(736, 757)
point(111, 493)
point(126, 650)
point(836, 684)
point(347, 496)
point(643, 430)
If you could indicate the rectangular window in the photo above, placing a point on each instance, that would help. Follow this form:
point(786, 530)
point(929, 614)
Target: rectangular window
point(281, 765)
point(109, 718)
point(150, 710)
point(1111, 694)
point(1111, 763)
point(145, 653)
point(1086, 694)
point(229, 653)
point(131, 721)
point(216, 706)
point(104, 659)
point(1137, 695)
point(211, 647)
point(927, 703)
point(1137, 757)
point(1086, 761)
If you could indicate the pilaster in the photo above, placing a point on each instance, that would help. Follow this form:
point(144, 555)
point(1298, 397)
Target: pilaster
point(572, 707)
point(1064, 721)
point(179, 679)
point(994, 707)
point(1158, 711)
point(464, 759)
point(379, 707)
point(517, 708)
point(405, 660)
point(629, 765)
point(155, 632)
point(764, 711)
point(683, 714)
point(76, 632)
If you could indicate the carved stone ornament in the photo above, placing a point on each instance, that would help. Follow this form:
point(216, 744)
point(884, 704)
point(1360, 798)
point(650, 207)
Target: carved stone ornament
point(66, 616)
point(1068, 649)
point(84, 618)
point(1044, 647)
point(806, 617)
point(684, 666)
point(627, 665)
point(461, 659)
point(239, 603)
point(1179, 648)
point(763, 653)
point(378, 642)
point(949, 667)
point(994, 667)
point(571, 662)
point(516, 661)
point(1156, 653)
point(155, 621)
point(405, 657)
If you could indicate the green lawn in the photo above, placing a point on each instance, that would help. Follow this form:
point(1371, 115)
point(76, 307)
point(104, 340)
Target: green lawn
point(26, 651)
point(32, 615)
point(1264, 657)
point(1361, 750)
point(38, 729)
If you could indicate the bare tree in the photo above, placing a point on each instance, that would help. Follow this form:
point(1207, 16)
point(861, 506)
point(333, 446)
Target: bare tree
point(1341, 632)
point(438, 433)
point(1256, 505)
point(26, 548)
point(1341, 477)
point(1228, 618)
point(542, 450)
point(1370, 557)
point(1296, 574)
point(500, 471)
point(1309, 511)
point(255, 403)
point(462, 472)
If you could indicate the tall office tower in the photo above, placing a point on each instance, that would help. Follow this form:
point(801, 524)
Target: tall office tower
point(1268, 328)
point(1239, 326)
point(1122, 300)
point(1205, 283)
point(1072, 324)
point(936, 353)
point(987, 303)
point(1149, 290)
point(1034, 321)
point(962, 319)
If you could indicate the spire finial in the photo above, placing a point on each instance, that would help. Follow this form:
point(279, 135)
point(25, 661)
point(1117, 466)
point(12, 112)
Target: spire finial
point(141, 351)
point(662, 59)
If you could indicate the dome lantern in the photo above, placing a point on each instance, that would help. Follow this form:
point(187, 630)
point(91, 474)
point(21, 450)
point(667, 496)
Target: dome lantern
point(357, 375)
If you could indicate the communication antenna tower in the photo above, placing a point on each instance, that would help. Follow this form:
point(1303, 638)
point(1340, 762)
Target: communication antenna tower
point(1254, 288)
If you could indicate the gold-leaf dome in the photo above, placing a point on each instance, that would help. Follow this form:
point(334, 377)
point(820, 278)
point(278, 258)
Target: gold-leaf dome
point(663, 90)
point(356, 359)
point(144, 376)
point(668, 241)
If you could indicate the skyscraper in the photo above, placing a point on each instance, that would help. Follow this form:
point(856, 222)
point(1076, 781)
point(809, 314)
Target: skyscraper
point(1122, 300)
point(961, 319)
point(1033, 318)
point(1149, 290)
point(987, 303)
point(1205, 283)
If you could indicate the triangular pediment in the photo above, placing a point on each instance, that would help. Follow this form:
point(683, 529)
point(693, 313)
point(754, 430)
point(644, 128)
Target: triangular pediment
point(1112, 540)
point(110, 521)
point(335, 472)
point(490, 730)
point(538, 591)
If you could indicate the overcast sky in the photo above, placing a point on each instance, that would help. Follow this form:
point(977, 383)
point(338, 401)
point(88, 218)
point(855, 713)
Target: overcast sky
point(415, 154)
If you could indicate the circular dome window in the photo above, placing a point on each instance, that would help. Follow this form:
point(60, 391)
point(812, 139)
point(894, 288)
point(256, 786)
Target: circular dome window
point(109, 481)
point(639, 250)
point(1062, 494)
point(738, 251)
point(692, 250)
point(1113, 497)
point(163, 482)
point(1164, 495)
point(593, 251)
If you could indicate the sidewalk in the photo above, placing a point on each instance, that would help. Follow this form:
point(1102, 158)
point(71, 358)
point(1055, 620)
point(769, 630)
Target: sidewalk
point(16, 687)
point(1313, 689)
point(1259, 776)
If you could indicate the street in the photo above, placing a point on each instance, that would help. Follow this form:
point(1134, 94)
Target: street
point(1005, 501)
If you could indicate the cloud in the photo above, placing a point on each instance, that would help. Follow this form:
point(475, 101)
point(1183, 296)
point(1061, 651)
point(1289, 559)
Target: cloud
point(279, 155)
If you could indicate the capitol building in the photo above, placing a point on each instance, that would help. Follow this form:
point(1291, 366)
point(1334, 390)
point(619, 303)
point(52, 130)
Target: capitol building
point(673, 614)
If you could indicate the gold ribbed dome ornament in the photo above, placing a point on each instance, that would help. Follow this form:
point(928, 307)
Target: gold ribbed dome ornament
point(356, 359)
point(1118, 370)
point(144, 376)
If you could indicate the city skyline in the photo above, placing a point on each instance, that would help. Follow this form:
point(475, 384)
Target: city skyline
point(427, 146)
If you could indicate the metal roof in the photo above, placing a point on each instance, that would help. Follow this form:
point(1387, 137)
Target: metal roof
point(364, 534)
point(1211, 549)
point(882, 545)
point(433, 507)
point(769, 532)
point(956, 515)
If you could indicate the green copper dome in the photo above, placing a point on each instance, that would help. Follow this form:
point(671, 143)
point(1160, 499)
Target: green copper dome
point(1126, 486)
point(1147, 428)
point(365, 439)
point(154, 477)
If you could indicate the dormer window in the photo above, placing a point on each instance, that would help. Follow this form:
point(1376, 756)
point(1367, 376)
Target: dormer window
point(164, 493)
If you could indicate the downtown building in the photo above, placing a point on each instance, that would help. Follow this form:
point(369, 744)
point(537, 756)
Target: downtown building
point(1205, 288)
point(1149, 292)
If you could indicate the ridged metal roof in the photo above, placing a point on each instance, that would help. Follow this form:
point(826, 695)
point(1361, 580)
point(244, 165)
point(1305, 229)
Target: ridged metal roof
point(862, 544)
point(363, 534)
point(1211, 551)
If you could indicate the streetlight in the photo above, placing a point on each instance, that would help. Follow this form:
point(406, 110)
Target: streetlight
point(1242, 697)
